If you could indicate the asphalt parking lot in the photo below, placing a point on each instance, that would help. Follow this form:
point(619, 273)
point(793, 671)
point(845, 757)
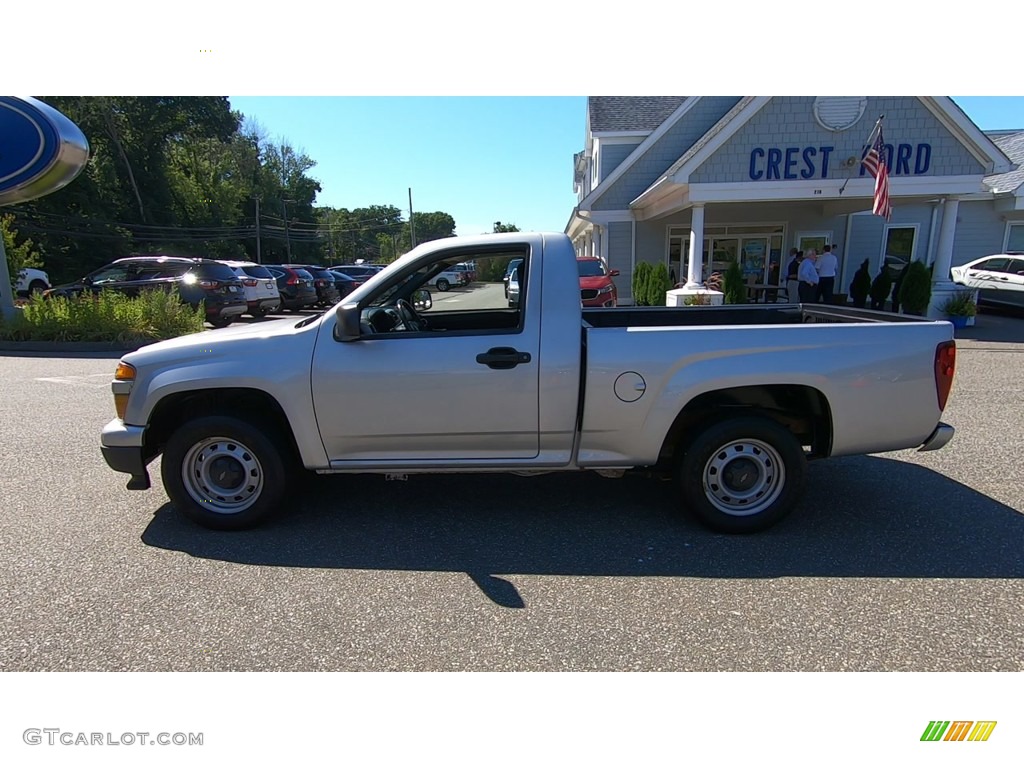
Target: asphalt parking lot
point(903, 561)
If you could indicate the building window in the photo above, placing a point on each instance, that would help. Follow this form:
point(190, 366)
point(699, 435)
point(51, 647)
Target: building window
point(1014, 237)
point(899, 248)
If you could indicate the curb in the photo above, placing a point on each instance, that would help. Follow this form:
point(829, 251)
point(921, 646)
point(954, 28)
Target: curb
point(70, 346)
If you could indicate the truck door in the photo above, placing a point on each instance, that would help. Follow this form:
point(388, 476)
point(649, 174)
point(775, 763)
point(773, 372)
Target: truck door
point(463, 389)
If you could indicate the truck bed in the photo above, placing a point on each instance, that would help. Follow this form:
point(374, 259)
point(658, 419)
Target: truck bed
point(737, 314)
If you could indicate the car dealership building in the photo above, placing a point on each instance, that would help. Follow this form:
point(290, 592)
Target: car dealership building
point(750, 177)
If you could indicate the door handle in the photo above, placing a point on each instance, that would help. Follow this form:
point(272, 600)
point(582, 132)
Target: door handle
point(502, 358)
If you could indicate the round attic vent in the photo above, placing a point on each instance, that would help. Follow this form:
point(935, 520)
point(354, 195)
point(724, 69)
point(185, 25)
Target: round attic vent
point(837, 113)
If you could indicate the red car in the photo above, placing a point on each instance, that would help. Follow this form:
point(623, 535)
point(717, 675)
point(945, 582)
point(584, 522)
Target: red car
point(596, 286)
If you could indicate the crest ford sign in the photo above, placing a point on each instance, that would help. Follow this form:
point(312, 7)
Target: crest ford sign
point(40, 149)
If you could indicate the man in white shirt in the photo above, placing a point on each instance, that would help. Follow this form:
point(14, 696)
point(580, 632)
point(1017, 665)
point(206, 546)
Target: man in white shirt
point(808, 277)
point(827, 266)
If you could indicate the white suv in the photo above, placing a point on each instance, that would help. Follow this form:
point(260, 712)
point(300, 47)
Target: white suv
point(32, 281)
point(260, 285)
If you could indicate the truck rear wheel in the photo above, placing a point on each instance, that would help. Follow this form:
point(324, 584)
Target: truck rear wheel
point(223, 472)
point(742, 475)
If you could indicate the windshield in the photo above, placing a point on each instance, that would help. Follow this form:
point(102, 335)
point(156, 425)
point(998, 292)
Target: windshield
point(590, 268)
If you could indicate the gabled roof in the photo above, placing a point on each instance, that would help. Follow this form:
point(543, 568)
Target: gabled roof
point(630, 113)
point(1012, 145)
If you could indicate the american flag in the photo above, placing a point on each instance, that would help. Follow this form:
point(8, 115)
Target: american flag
point(874, 163)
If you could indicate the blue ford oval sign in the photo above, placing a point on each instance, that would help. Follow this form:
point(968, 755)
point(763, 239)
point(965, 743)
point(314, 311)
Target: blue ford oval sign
point(40, 149)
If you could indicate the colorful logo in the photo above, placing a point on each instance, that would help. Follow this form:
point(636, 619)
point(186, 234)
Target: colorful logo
point(958, 730)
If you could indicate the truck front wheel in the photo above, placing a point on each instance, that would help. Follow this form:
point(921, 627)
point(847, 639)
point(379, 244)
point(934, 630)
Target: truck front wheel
point(742, 475)
point(223, 472)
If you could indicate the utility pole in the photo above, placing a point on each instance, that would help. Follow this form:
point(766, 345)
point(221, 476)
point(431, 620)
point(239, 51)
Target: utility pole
point(287, 236)
point(259, 260)
point(412, 224)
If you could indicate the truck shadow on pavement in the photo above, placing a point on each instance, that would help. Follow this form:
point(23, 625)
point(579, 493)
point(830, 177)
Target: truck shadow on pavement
point(862, 517)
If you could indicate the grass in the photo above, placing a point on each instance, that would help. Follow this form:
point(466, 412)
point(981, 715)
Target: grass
point(110, 316)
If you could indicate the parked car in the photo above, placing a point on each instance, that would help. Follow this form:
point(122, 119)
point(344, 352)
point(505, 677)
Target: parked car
point(999, 279)
point(261, 293)
point(468, 268)
point(727, 403)
point(295, 286)
point(597, 289)
point(205, 282)
point(31, 281)
point(509, 272)
point(362, 272)
point(345, 283)
point(327, 294)
point(443, 281)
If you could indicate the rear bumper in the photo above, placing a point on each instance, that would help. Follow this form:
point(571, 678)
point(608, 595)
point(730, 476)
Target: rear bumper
point(938, 439)
point(124, 451)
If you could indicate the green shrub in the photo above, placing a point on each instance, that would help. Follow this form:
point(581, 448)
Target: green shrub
point(916, 290)
point(860, 288)
point(641, 276)
point(657, 284)
point(735, 289)
point(880, 288)
point(109, 316)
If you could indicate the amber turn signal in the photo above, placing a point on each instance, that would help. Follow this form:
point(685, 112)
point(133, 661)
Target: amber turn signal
point(124, 372)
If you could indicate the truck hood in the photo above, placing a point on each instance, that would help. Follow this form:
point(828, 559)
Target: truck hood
point(264, 338)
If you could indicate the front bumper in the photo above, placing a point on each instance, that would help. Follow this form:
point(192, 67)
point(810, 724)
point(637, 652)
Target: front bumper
point(123, 448)
point(943, 434)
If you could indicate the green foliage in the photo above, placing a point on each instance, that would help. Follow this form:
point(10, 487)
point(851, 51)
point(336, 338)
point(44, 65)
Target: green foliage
point(735, 289)
point(916, 290)
point(880, 288)
point(860, 288)
point(641, 277)
point(109, 316)
point(19, 255)
point(697, 300)
point(960, 304)
point(657, 284)
point(499, 227)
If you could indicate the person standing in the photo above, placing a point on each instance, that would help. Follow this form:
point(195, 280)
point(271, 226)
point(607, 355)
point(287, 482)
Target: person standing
point(826, 266)
point(807, 274)
point(792, 281)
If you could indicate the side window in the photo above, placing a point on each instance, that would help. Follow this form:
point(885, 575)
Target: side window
point(485, 282)
point(993, 265)
point(1016, 267)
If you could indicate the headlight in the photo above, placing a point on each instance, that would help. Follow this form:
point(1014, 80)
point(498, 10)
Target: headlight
point(124, 377)
point(606, 289)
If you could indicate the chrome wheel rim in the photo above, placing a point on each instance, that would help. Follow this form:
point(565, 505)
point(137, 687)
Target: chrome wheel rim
point(223, 475)
point(744, 477)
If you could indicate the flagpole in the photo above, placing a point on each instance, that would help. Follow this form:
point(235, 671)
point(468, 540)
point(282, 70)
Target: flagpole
point(871, 136)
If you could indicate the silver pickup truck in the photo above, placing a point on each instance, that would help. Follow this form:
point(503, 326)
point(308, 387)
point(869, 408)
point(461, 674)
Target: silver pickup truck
point(731, 402)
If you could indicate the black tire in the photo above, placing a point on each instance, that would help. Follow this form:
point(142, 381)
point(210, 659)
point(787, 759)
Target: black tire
point(247, 454)
point(731, 450)
point(443, 285)
point(37, 286)
point(221, 322)
point(258, 312)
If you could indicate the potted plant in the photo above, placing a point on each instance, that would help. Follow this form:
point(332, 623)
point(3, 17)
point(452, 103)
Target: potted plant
point(916, 290)
point(880, 288)
point(860, 288)
point(959, 308)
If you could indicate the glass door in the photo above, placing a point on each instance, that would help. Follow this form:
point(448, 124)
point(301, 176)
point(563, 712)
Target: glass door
point(752, 260)
point(723, 253)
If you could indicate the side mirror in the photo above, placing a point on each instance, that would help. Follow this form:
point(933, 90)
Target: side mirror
point(86, 280)
point(422, 300)
point(613, 273)
point(347, 328)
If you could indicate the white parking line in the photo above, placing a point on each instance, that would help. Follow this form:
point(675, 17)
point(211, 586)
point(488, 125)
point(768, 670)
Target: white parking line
point(82, 381)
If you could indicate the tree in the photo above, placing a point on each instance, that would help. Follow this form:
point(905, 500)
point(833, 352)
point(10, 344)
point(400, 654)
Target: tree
point(499, 227)
point(657, 284)
point(430, 226)
point(19, 255)
point(880, 288)
point(916, 290)
point(641, 277)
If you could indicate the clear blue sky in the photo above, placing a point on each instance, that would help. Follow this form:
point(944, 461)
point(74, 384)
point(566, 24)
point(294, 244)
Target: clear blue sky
point(481, 159)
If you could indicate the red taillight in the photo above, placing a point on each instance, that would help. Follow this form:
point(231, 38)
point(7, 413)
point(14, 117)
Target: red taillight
point(250, 283)
point(293, 280)
point(945, 365)
point(209, 284)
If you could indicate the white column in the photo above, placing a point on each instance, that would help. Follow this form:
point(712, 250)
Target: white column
point(944, 249)
point(694, 271)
